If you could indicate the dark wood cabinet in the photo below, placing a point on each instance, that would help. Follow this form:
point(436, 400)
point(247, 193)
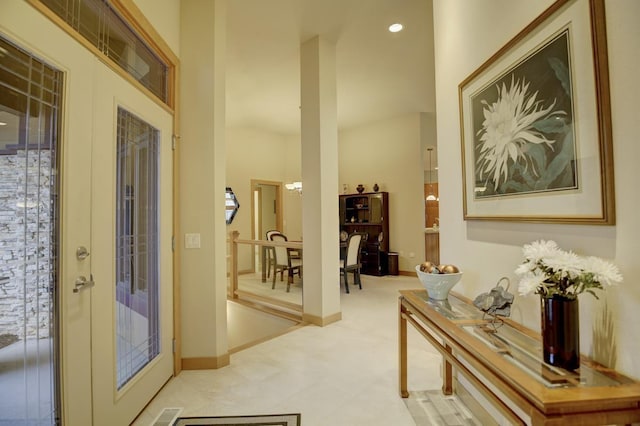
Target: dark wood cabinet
point(368, 212)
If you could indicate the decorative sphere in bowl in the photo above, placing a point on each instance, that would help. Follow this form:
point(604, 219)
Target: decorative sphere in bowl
point(438, 285)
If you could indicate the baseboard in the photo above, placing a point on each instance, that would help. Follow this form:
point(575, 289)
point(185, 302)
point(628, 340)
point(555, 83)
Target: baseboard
point(206, 363)
point(264, 339)
point(320, 321)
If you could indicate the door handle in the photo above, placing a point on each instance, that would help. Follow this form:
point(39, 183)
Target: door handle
point(82, 253)
point(82, 283)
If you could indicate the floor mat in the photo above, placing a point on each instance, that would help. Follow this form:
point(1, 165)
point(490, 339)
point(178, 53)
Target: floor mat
point(260, 420)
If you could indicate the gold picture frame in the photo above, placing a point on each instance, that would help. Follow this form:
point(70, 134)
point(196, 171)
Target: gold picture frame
point(535, 123)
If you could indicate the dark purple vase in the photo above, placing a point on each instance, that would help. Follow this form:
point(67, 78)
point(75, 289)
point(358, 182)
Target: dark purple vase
point(560, 332)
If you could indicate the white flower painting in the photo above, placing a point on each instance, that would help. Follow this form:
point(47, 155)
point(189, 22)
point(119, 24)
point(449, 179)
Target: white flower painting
point(535, 124)
point(523, 126)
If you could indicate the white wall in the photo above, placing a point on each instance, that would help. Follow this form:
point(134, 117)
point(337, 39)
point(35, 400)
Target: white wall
point(247, 325)
point(429, 139)
point(466, 35)
point(262, 155)
point(164, 15)
point(252, 154)
point(388, 152)
point(292, 222)
point(292, 200)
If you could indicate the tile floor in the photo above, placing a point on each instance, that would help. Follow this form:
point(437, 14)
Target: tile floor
point(344, 374)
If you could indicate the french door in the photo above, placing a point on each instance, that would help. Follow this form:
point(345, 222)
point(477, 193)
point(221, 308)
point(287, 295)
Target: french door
point(115, 277)
point(30, 94)
point(131, 227)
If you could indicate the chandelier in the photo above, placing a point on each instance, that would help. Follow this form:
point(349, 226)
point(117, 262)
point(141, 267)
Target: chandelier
point(294, 186)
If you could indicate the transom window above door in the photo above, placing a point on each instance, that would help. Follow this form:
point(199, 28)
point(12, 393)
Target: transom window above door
point(101, 25)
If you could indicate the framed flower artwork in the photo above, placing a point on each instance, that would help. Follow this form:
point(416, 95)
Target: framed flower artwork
point(536, 123)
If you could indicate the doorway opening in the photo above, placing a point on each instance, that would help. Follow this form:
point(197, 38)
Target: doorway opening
point(266, 214)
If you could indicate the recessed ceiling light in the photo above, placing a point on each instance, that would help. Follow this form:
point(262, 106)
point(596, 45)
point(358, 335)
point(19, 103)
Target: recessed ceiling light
point(394, 28)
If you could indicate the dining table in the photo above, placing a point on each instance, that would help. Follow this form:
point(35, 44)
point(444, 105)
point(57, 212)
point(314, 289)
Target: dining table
point(268, 245)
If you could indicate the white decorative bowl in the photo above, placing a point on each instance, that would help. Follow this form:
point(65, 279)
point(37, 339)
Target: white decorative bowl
point(438, 285)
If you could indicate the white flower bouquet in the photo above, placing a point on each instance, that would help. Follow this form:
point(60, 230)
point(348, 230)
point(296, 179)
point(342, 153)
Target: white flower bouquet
point(548, 270)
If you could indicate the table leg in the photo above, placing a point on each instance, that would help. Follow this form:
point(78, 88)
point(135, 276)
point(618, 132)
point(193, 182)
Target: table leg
point(447, 373)
point(402, 350)
point(264, 267)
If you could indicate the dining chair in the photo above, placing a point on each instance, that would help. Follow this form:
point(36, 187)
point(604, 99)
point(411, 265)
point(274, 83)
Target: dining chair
point(270, 258)
point(352, 262)
point(284, 262)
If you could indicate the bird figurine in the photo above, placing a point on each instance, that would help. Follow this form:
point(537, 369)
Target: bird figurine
point(497, 301)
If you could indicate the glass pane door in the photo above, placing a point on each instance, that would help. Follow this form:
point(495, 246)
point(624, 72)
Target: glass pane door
point(131, 233)
point(29, 105)
point(137, 273)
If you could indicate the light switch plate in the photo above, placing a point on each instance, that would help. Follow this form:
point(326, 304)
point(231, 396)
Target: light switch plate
point(192, 241)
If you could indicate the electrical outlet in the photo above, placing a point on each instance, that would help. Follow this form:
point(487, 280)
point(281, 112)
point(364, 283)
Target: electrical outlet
point(412, 255)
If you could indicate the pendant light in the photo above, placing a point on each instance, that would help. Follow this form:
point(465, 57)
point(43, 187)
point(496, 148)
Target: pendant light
point(430, 196)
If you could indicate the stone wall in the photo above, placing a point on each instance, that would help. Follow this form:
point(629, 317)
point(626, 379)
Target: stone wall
point(25, 252)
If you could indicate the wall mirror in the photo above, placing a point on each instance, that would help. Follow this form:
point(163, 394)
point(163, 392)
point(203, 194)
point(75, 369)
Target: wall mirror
point(231, 205)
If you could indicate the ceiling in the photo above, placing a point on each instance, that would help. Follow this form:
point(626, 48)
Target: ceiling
point(379, 74)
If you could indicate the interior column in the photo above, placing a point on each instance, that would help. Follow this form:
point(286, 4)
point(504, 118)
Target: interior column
point(319, 136)
point(201, 240)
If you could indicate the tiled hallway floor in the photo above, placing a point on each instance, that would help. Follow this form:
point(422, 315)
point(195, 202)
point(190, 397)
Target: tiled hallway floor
point(344, 374)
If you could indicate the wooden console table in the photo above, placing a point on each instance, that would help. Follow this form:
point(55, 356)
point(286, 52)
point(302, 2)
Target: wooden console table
point(504, 363)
